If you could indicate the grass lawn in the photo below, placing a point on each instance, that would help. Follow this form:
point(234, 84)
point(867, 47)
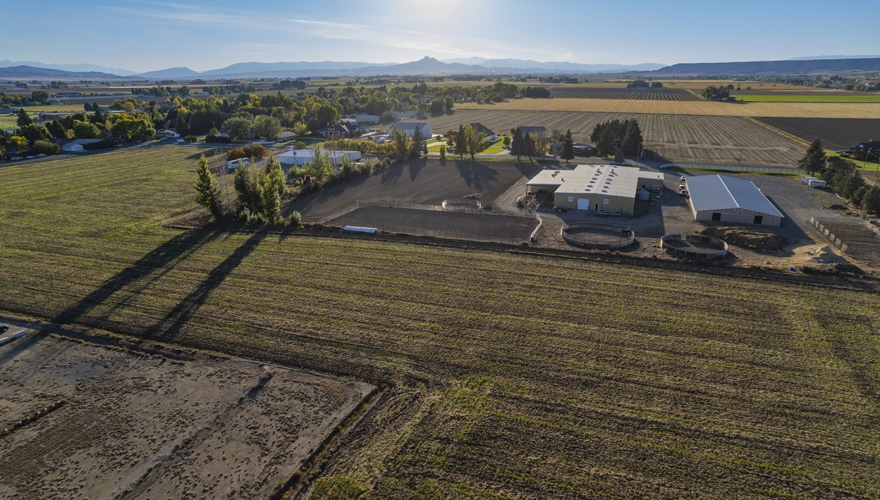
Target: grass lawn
point(866, 166)
point(508, 373)
point(794, 174)
point(56, 107)
point(809, 98)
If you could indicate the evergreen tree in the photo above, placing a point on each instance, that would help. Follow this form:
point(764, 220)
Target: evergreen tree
point(605, 146)
point(248, 189)
point(95, 106)
point(516, 147)
point(813, 161)
point(269, 197)
point(87, 106)
point(529, 146)
point(23, 118)
point(632, 139)
point(567, 147)
point(619, 157)
point(416, 147)
point(98, 117)
point(597, 133)
point(852, 184)
point(871, 200)
point(460, 143)
point(207, 192)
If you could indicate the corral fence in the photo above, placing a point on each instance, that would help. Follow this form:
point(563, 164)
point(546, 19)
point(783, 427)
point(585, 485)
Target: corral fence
point(529, 214)
point(624, 231)
point(729, 167)
point(833, 238)
point(690, 253)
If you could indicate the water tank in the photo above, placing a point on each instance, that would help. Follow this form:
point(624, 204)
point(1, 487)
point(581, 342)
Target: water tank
point(643, 194)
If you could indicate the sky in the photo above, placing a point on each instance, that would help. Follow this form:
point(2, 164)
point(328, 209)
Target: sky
point(145, 36)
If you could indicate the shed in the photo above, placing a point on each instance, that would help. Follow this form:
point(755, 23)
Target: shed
point(728, 199)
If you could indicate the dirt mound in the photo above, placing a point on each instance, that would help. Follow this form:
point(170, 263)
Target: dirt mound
point(752, 238)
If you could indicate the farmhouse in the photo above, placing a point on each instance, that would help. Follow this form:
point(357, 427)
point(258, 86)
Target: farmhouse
point(727, 199)
point(338, 130)
point(602, 188)
point(479, 128)
point(303, 156)
point(533, 131)
point(410, 128)
point(866, 150)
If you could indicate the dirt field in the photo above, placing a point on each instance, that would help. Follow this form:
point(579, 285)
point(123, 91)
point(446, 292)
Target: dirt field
point(662, 94)
point(836, 133)
point(158, 425)
point(511, 372)
point(427, 182)
point(718, 140)
point(442, 224)
point(703, 108)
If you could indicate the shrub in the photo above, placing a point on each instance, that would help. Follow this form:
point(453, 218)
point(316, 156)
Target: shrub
point(506, 141)
point(45, 147)
point(190, 138)
point(211, 139)
point(295, 219)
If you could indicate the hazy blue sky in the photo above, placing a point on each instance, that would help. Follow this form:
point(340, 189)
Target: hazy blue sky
point(144, 36)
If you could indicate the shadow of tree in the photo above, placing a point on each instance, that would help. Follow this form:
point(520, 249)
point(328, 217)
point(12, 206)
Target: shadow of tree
point(169, 326)
point(140, 275)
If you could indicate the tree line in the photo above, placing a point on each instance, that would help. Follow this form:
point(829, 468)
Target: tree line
point(613, 137)
point(842, 176)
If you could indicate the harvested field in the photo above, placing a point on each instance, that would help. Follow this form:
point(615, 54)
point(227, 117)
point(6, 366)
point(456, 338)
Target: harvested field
point(442, 224)
point(703, 108)
point(152, 426)
point(662, 94)
point(718, 140)
point(427, 182)
point(510, 373)
point(836, 133)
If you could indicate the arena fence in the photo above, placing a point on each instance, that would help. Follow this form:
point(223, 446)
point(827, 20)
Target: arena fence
point(597, 245)
point(730, 167)
point(691, 254)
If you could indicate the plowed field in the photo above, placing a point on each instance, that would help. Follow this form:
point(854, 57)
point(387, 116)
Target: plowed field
point(794, 109)
point(510, 375)
point(718, 140)
point(662, 94)
point(835, 133)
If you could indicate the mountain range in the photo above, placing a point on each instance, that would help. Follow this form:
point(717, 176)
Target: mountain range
point(471, 66)
point(75, 68)
point(759, 68)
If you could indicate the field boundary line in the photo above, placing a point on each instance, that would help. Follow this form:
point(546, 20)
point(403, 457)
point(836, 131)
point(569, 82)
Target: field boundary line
point(729, 167)
point(785, 135)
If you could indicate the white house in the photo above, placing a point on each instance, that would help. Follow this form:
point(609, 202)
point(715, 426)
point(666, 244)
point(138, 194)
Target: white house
point(410, 128)
point(303, 156)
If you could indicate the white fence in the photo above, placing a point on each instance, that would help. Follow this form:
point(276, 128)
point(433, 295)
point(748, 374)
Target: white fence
point(731, 167)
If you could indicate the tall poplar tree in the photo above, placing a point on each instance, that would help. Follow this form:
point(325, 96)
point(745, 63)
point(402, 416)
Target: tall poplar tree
point(813, 161)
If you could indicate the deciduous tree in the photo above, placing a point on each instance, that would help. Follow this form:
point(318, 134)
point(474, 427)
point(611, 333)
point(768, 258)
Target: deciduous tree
point(267, 127)
point(238, 128)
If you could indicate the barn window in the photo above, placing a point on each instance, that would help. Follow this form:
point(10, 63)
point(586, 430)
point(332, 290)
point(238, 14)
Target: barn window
point(606, 201)
point(571, 198)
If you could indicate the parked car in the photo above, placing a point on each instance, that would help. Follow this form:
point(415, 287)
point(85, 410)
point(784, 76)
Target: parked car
point(3, 327)
point(30, 157)
point(16, 158)
point(559, 209)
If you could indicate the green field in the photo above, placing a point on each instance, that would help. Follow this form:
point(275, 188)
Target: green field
point(868, 166)
point(507, 373)
point(808, 98)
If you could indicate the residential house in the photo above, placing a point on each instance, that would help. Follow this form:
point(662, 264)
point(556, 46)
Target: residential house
point(533, 131)
point(410, 128)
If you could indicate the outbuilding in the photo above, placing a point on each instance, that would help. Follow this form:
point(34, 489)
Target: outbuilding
point(410, 128)
point(727, 199)
point(600, 188)
point(303, 156)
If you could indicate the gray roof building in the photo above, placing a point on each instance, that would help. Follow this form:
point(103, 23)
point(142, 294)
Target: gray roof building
point(728, 199)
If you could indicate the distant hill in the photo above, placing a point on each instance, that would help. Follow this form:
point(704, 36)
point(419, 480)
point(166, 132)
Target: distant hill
point(179, 72)
point(813, 58)
point(32, 73)
point(68, 67)
point(567, 67)
point(814, 66)
point(260, 68)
